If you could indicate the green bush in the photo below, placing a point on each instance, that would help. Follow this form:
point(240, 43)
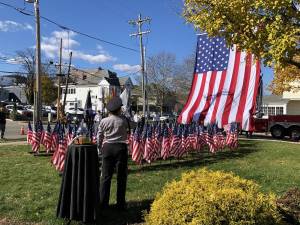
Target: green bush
point(289, 205)
point(212, 198)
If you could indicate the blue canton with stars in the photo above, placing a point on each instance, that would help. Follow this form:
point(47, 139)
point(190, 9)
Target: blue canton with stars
point(212, 54)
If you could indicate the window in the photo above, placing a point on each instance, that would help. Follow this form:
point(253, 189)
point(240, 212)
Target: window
point(279, 110)
point(271, 111)
point(265, 110)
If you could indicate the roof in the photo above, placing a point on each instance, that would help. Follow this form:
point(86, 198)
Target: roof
point(125, 79)
point(94, 76)
point(268, 99)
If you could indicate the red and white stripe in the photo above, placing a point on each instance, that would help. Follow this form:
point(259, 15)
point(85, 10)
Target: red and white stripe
point(225, 96)
point(137, 151)
point(47, 141)
point(29, 136)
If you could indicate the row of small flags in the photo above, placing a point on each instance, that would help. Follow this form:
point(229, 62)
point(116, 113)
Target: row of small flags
point(55, 141)
point(162, 141)
point(147, 142)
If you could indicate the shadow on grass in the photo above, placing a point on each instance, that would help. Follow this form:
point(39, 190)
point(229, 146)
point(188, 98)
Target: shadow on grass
point(195, 159)
point(133, 214)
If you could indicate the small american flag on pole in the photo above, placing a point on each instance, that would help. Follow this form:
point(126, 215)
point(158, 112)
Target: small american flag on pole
point(36, 139)
point(29, 133)
point(176, 141)
point(165, 149)
point(62, 151)
point(149, 146)
point(48, 138)
point(137, 151)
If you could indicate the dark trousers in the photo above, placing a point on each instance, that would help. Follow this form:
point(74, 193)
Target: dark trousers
point(2, 129)
point(114, 157)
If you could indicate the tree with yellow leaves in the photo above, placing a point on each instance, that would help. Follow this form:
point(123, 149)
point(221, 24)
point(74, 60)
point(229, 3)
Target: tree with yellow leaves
point(269, 29)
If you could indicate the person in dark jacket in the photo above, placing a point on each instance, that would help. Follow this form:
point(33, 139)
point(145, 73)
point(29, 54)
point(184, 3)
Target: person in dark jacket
point(2, 121)
point(112, 133)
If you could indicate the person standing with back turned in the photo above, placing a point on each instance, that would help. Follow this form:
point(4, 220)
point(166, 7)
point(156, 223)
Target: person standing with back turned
point(2, 121)
point(112, 132)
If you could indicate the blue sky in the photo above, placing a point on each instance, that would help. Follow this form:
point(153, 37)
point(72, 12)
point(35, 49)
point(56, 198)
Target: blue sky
point(106, 19)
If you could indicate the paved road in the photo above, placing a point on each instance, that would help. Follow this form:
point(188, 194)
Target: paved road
point(13, 128)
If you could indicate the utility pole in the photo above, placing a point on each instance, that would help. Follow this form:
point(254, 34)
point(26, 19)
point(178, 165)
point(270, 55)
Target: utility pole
point(59, 75)
point(67, 83)
point(146, 84)
point(37, 92)
point(139, 22)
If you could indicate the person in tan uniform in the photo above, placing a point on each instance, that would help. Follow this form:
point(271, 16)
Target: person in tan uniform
point(112, 136)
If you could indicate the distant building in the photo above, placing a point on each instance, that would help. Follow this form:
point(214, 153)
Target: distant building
point(102, 84)
point(287, 104)
point(10, 90)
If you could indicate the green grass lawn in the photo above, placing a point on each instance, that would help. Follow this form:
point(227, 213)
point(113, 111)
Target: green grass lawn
point(29, 186)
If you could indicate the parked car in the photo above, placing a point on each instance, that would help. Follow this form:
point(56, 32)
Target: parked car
point(20, 110)
point(51, 109)
point(75, 111)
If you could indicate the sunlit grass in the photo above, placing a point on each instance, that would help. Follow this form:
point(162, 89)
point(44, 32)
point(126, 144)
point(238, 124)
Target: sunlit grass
point(29, 186)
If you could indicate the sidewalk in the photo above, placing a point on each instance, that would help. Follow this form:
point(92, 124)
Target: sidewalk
point(13, 142)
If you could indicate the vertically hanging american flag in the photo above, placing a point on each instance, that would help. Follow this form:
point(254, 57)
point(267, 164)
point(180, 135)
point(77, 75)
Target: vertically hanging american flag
point(29, 133)
point(224, 86)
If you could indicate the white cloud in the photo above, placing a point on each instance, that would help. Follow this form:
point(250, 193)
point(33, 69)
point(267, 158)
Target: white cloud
point(127, 68)
point(50, 46)
point(11, 26)
point(99, 58)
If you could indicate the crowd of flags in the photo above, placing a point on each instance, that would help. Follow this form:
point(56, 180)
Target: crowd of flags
point(148, 143)
point(54, 141)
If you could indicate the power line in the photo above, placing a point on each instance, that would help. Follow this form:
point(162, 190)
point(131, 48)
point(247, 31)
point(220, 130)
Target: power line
point(13, 72)
point(30, 13)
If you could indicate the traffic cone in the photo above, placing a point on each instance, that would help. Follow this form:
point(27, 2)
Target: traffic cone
point(22, 130)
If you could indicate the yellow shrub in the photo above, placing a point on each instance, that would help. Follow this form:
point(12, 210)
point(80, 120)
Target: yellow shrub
point(212, 198)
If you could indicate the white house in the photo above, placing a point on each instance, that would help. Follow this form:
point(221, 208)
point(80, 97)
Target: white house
point(102, 84)
point(287, 104)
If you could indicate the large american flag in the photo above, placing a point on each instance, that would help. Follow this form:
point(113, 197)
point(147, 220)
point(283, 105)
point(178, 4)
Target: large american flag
point(224, 86)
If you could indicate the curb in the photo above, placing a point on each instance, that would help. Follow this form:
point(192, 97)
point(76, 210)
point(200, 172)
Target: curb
point(271, 140)
point(13, 143)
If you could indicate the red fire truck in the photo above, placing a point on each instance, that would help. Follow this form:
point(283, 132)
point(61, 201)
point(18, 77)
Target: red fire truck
point(280, 126)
